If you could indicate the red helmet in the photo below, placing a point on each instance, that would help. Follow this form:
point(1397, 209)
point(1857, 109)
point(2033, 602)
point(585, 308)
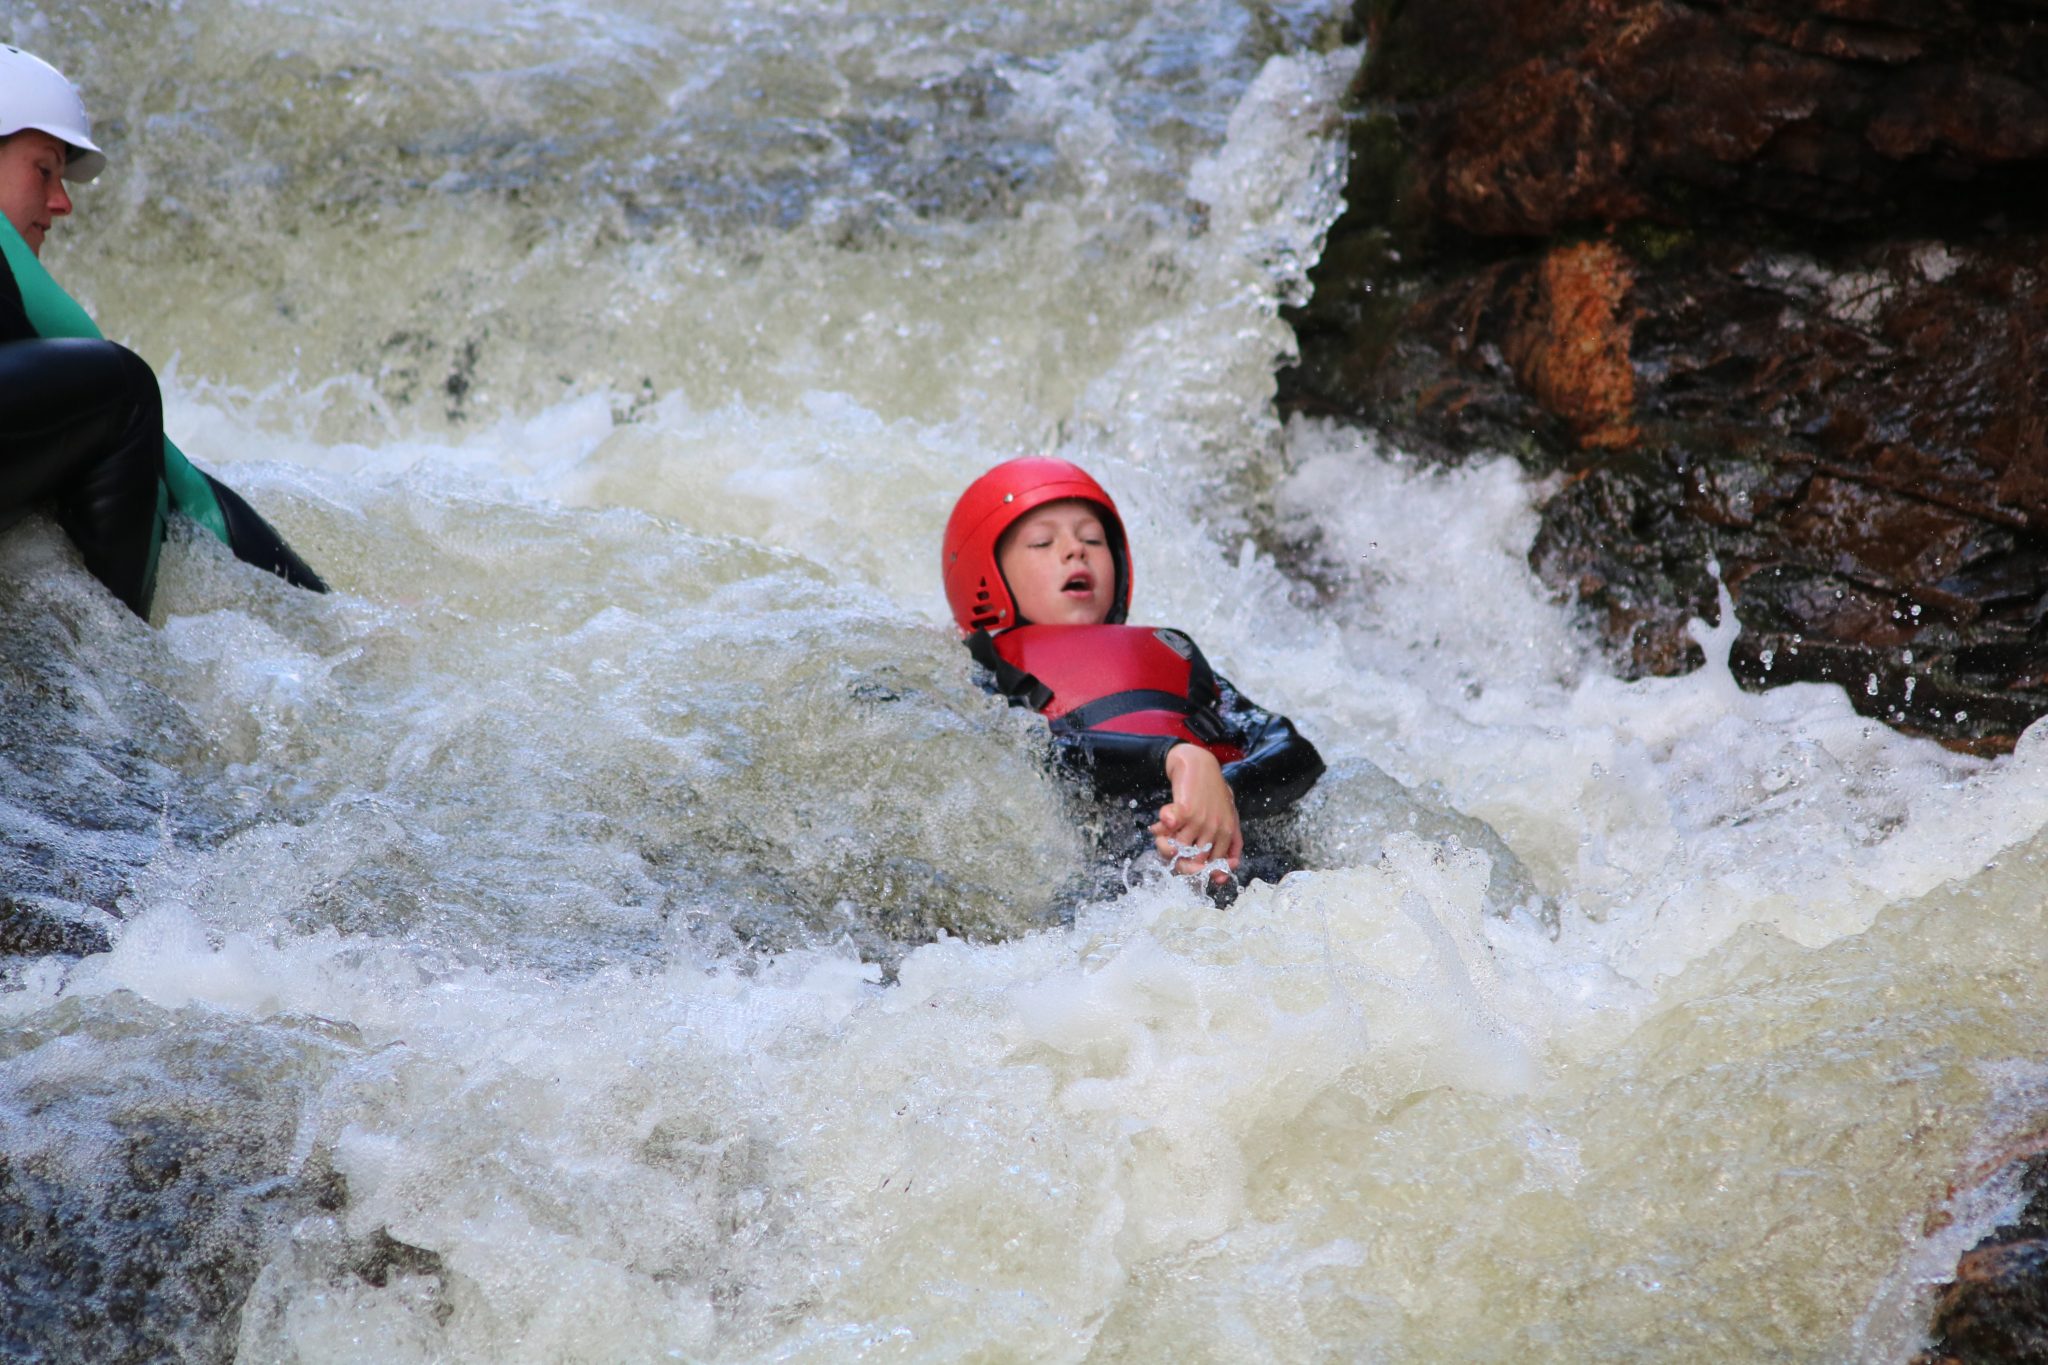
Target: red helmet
point(991, 505)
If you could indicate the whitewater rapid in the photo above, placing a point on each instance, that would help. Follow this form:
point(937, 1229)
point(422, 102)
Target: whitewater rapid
point(613, 926)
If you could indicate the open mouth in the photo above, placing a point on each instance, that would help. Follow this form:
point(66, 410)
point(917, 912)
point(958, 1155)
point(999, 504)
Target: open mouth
point(1080, 582)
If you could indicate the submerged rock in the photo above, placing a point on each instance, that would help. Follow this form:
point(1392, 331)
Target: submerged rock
point(1758, 285)
point(89, 789)
point(158, 1159)
point(29, 929)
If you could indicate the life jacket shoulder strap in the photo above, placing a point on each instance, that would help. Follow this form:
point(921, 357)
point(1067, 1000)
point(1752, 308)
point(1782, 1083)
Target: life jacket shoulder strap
point(1202, 686)
point(1013, 682)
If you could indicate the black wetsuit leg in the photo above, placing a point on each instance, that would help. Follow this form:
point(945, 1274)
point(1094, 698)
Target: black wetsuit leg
point(82, 427)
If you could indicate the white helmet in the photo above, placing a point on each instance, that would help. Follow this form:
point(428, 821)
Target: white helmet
point(34, 94)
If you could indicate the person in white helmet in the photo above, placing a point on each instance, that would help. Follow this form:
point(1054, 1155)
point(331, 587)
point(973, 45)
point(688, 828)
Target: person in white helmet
point(81, 419)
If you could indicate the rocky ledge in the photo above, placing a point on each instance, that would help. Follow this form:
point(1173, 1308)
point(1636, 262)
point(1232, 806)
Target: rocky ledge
point(1760, 286)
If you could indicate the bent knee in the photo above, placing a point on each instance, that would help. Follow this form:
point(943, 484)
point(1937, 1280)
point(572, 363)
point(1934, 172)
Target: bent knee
point(51, 376)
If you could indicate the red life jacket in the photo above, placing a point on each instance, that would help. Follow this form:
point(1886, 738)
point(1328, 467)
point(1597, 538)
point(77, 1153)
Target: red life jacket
point(1132, 680)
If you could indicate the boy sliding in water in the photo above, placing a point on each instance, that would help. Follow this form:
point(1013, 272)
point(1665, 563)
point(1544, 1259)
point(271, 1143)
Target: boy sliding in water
point(1038, 574)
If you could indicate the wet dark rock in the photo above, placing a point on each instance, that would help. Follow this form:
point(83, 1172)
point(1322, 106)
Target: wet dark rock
point(149, 1163)
point(1995, 1311)
point(31, 930)
point(382, 1256)
point(1757, 285)
point(92, 766)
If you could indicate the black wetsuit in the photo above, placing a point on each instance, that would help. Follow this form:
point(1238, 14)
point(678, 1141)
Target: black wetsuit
point(81, 428)
point(1126, 776)
point(1278, 768)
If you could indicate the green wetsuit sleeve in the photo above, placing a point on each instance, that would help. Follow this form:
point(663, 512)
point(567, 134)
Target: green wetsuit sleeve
point(54, 313)
point(192, 494)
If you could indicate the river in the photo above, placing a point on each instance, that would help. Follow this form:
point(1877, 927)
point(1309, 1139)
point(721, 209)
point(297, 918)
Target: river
point(613, 926)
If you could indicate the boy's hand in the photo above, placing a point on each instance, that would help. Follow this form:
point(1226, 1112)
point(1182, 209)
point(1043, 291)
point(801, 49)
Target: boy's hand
point(1202, 814)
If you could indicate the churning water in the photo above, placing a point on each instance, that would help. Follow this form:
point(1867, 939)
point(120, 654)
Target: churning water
point(612, 926)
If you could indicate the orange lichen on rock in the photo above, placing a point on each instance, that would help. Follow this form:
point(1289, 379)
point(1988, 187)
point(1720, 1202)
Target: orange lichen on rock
point(1573, 351)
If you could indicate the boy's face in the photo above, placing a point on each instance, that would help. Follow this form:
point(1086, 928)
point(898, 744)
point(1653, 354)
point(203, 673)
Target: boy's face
point(1058, 565)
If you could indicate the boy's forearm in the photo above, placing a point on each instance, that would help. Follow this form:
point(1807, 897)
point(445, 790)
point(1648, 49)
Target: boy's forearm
point(1278, 772)
point(1116, 764)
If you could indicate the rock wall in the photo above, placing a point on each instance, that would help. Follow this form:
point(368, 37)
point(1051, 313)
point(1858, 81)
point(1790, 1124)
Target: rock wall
point(1763, 284)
